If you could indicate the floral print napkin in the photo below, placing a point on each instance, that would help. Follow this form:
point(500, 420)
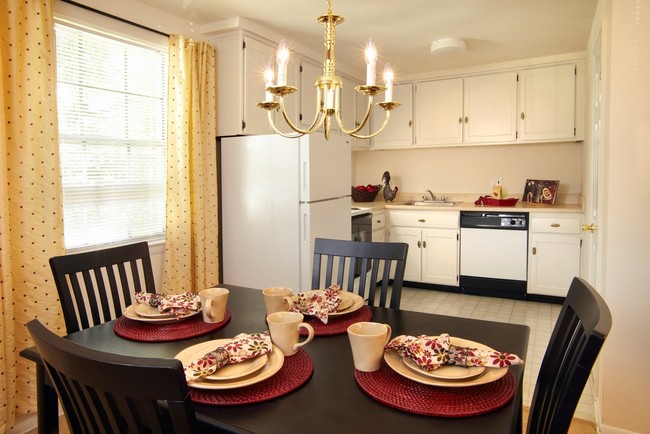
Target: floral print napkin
point(432, 352)
point(178, 304)
point(242, 347)
point(319, 303)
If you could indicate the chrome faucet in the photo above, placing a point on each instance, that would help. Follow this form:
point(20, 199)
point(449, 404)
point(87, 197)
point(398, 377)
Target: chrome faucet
point(431, 194)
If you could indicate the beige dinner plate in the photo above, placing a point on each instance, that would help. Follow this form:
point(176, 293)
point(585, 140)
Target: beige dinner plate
point(395, 361)
point(349, 299)
point(274, 362)
point(148, 311)
point(131, 313)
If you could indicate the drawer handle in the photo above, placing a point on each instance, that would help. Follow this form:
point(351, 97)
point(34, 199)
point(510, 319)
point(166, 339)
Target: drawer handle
point(378, 221)
point(555, 225)
point(422, 220)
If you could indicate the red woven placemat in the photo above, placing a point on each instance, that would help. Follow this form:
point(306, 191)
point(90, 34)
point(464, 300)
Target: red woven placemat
point(295, 372)
point(150, 332)
point(337, 325)
point(394, 390)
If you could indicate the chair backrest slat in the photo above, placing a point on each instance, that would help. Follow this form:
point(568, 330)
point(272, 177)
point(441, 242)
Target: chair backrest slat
point(362, 267)
point(95, 287)
point(579, 334)
point(102, 392)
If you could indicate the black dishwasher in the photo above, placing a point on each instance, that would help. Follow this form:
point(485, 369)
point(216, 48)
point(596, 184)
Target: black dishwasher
point(494, 253)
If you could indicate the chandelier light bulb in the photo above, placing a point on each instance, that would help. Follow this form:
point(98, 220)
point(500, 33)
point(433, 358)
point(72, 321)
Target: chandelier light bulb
point(388, 80)
point(283, 60)
point(371, 63)
point(268, 81)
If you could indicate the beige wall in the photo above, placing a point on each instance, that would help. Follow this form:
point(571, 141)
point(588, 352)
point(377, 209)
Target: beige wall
point(624, 223)
point(458, 170)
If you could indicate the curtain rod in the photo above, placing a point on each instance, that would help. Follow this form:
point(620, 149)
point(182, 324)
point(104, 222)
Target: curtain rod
point(106, 14)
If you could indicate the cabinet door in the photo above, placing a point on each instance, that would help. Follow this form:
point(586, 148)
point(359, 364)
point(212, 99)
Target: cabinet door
point(256, 56)
point(490, 106)
point(399, 131)
point(412, 237)
point(553, 261)
point(440, 256)
point(547, 103)
point(439, 112)
point(309, 73)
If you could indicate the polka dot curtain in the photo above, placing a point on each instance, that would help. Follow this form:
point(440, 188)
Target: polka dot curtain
point(31, 216)
point(191, 250)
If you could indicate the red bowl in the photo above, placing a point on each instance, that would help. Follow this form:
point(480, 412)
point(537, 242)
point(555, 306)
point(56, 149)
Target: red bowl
point(491, 201)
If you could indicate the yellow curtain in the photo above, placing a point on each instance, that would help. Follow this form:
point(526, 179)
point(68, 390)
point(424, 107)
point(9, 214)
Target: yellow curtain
point(191, 250)
point(31, 215)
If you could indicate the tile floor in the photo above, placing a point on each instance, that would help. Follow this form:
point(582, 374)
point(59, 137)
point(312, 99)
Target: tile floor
point(540, 317)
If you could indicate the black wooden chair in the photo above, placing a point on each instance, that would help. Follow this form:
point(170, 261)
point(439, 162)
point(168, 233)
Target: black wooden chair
point(580, 331)
point(95, 287)
point(104, 392)
point(360, 265)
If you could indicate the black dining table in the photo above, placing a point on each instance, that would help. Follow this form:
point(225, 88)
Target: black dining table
point(331, 400)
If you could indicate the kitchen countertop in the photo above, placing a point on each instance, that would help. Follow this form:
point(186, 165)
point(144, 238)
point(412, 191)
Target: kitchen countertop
point(468, 205)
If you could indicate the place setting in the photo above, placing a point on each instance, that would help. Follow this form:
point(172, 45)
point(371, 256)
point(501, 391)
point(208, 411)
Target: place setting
point(439, 375)
point(163, 318)
point(250, 367)
point(329, 311)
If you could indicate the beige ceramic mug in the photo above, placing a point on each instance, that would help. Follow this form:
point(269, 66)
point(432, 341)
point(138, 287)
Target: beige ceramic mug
point(368, 340)
point(213, 304)
point(285, 331)
point(277, 299)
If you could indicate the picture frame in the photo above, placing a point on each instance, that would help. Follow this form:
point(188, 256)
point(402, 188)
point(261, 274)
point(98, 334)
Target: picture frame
point(541, 191)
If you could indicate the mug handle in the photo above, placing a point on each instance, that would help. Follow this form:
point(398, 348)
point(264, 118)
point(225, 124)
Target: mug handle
point(289, 301)
point(208, 308)
point(389, 332)
point(310, 334)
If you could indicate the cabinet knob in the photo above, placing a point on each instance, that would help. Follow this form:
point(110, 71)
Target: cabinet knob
point(422, 220)
point(424, 244)
point(410, 124)
point(534, 250)
point(522, 116)
point(378, 221)
point(419, 244)
point(589, 228)
point(555, 225)
point(466, 119)
point(460, 120)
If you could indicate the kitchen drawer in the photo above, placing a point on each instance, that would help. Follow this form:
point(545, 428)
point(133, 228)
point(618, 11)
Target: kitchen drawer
point(378, 220)
point(561, 225)
point(424, 219)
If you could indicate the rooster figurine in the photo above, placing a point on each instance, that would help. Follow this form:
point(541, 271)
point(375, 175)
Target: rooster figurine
point(389, 194)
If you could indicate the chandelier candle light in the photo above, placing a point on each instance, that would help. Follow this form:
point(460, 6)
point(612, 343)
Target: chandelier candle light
point(328, 87)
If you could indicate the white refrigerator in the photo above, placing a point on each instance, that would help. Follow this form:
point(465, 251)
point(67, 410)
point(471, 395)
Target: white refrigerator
point(277, 195)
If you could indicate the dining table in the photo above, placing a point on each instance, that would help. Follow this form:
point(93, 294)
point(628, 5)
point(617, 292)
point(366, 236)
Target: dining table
point(332, 395)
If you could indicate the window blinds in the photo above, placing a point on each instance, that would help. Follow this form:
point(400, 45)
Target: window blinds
point(112, 136)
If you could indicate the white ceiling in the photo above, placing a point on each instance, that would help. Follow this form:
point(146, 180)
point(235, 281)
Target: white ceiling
point(403, 30)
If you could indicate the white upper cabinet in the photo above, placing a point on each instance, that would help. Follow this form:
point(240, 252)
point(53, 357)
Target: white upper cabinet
point(547, 103)
point(309, 72)
point(478, 109)
point(490, 108)
point(399, 131)
point(242, 60)
point(439, 112)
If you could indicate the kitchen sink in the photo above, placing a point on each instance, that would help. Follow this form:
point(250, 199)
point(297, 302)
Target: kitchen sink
point(433, 203)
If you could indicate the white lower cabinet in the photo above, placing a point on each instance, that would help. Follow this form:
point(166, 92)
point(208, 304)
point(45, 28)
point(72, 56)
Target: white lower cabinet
point(378, 226)
point(554, 253)
point(433, 242)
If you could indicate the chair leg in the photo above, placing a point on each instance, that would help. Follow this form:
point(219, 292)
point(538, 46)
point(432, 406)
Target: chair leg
point(47, 404)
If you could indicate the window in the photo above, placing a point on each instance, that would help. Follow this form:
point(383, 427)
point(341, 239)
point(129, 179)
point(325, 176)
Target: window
point(112, 135)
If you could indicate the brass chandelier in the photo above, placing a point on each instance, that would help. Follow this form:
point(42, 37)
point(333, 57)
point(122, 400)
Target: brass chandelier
point(328, 87)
